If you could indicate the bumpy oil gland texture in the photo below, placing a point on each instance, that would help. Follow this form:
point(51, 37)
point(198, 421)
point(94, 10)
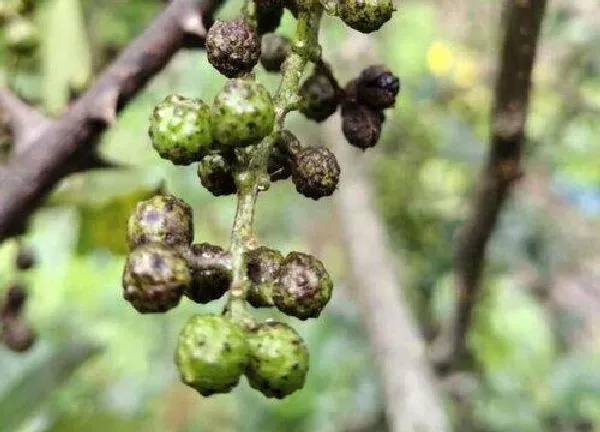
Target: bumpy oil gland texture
point(216, 176)
point(180, 129)
point(319, 98)
point(268, 15)
point(377, 87)
point(278, 360)
point(232, 47)
point(361, 125)
point(281, 159)
point(316, 172)
point(275, 49)
point(17, 335)
point(263, 264)
point(21, 35)
point(162, 219)
point(242, 113)
point(207, 284)
point(304, 286)
point(366, 16)
point(154, 278)
point(211, 354)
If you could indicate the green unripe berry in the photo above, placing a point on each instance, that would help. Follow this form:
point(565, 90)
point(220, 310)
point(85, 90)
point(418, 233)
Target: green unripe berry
point(303, 286)
point(315, 172)
point(366, 16)
point(242, 113)
point(232, 47)
point(22, 35)
point(278, 360)
point(162, 219)
point(211, 354)
point(180, 129)
point(154, 278)
point(207, 284)
point(216, 175)
point(263, 264)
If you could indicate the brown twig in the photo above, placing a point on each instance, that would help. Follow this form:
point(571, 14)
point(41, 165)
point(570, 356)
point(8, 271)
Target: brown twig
point(29, 176)
point(522, 23)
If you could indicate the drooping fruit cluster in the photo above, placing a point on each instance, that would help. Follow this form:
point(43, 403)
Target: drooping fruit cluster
point(241, 145)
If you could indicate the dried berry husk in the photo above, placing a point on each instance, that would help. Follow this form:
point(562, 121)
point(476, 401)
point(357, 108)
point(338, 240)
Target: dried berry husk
point(281, 159)
point(361, 125)
point(279, 360)
point(25, 258)
point(316, 172)
point(154, 278)
point(207, 284)
point(216, 175)
point(17, 335)
point(180, 129)
point(274, 51)
point(268, 15)
point(319, 98)
point(263, 264)
point(366, 16)
point(242, 114)
point(162, 219)
point(377, 87)
point(303, 286)
point(211, 354)
point(232, 47)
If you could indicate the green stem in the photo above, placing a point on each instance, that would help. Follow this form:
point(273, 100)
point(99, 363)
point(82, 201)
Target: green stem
point(248, 180)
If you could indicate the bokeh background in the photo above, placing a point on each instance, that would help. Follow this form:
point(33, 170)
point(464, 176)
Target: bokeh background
point(100, 366)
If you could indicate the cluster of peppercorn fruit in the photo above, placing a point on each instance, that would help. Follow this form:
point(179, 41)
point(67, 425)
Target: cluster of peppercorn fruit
point(21, 35)
point(240, 145)
point(15, 333)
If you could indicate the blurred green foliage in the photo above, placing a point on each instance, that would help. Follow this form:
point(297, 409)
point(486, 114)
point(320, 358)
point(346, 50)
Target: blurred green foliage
point(529, 378)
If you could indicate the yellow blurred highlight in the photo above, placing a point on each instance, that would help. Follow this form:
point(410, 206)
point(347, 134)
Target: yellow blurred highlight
point(464, 74)
point(440, 58)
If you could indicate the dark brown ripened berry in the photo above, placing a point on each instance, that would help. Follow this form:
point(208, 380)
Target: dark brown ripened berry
point(268, 15)
point(377, 87)
point(303, 286)
point(25, 258)
point(216, 176)
point(154, 278)
point(281, 160)
point(162, 219)
point(14, 300)
point(361, 125)
point(263, 264)
point(275, 49)
point(207, 284)
point(316, 172)
point(16, 334)
point(319, 98)
point(232, 47)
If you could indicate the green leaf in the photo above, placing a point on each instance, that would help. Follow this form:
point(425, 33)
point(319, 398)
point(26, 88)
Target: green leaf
point(66, 57)
point(27, 393)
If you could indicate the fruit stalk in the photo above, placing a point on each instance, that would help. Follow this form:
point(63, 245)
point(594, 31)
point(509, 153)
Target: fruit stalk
point(248, 179)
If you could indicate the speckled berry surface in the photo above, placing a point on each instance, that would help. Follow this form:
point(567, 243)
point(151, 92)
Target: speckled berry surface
point(366, 16)
point(162, 219)
point(242, 113)
point(303, 286)
point(216, 176)
point(361, 125)
point(154, 278)
point(316, 172)
point(211, 354)
point(319, 99)
point(263, 264)
point(232, 47)
point(278, 360)
point(207, 284)
point(180, 129)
